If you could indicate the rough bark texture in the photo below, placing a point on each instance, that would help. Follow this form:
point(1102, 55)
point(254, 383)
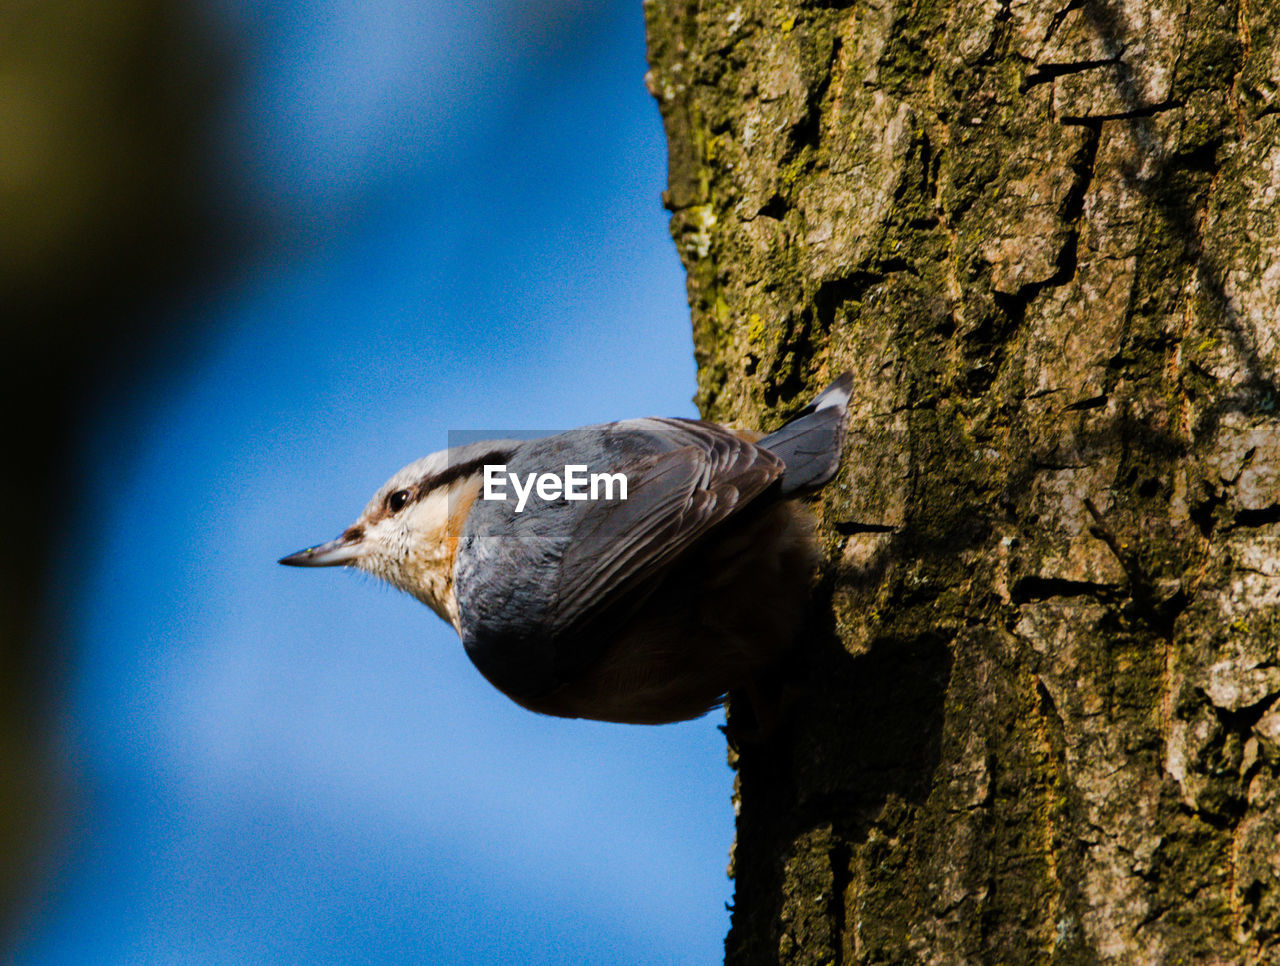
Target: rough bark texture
point(1041, 719)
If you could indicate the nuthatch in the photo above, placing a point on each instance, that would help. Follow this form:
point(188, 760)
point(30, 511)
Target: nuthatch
point(686, 575)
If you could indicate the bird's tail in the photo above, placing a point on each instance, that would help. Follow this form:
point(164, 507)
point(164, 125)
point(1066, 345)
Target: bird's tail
point(810, 444)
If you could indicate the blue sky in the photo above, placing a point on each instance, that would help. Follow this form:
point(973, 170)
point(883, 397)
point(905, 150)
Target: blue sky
point(273, 765)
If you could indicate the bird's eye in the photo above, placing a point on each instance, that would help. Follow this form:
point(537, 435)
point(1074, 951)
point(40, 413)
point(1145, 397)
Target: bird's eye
point(397, 500)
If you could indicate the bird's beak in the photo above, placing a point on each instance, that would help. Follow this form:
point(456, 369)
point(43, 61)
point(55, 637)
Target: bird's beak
point(344, 550)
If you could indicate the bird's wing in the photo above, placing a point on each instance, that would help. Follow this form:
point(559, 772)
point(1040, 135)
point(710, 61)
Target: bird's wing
point(575, 566)
point(673, 499)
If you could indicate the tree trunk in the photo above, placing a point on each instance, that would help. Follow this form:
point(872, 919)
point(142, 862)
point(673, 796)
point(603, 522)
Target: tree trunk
point(1039, 720)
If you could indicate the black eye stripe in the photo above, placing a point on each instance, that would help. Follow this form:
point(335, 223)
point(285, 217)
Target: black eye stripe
point(395, 502)
point(458, 471)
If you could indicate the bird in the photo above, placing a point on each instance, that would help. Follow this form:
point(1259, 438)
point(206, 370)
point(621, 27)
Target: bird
point(636, 571)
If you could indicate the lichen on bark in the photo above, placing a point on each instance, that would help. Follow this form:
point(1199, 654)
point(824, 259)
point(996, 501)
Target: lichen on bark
point(1042, 721)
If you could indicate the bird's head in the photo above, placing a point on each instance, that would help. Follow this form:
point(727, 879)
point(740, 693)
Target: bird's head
point(408, 532)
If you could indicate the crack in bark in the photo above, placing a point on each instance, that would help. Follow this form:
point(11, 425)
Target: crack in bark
point(1093, 402)
point(1260, 517)
point(1160, 614)
point(1047, 73)
point(1058, 19)
point(1083, 168)
point(1036, 588)
point(1141, 111)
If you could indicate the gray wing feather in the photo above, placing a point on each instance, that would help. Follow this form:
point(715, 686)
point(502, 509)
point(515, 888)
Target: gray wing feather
point(675, 500)
point(539, 592)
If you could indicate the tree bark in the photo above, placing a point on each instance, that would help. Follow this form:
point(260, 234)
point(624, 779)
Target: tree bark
point(1040, 718)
